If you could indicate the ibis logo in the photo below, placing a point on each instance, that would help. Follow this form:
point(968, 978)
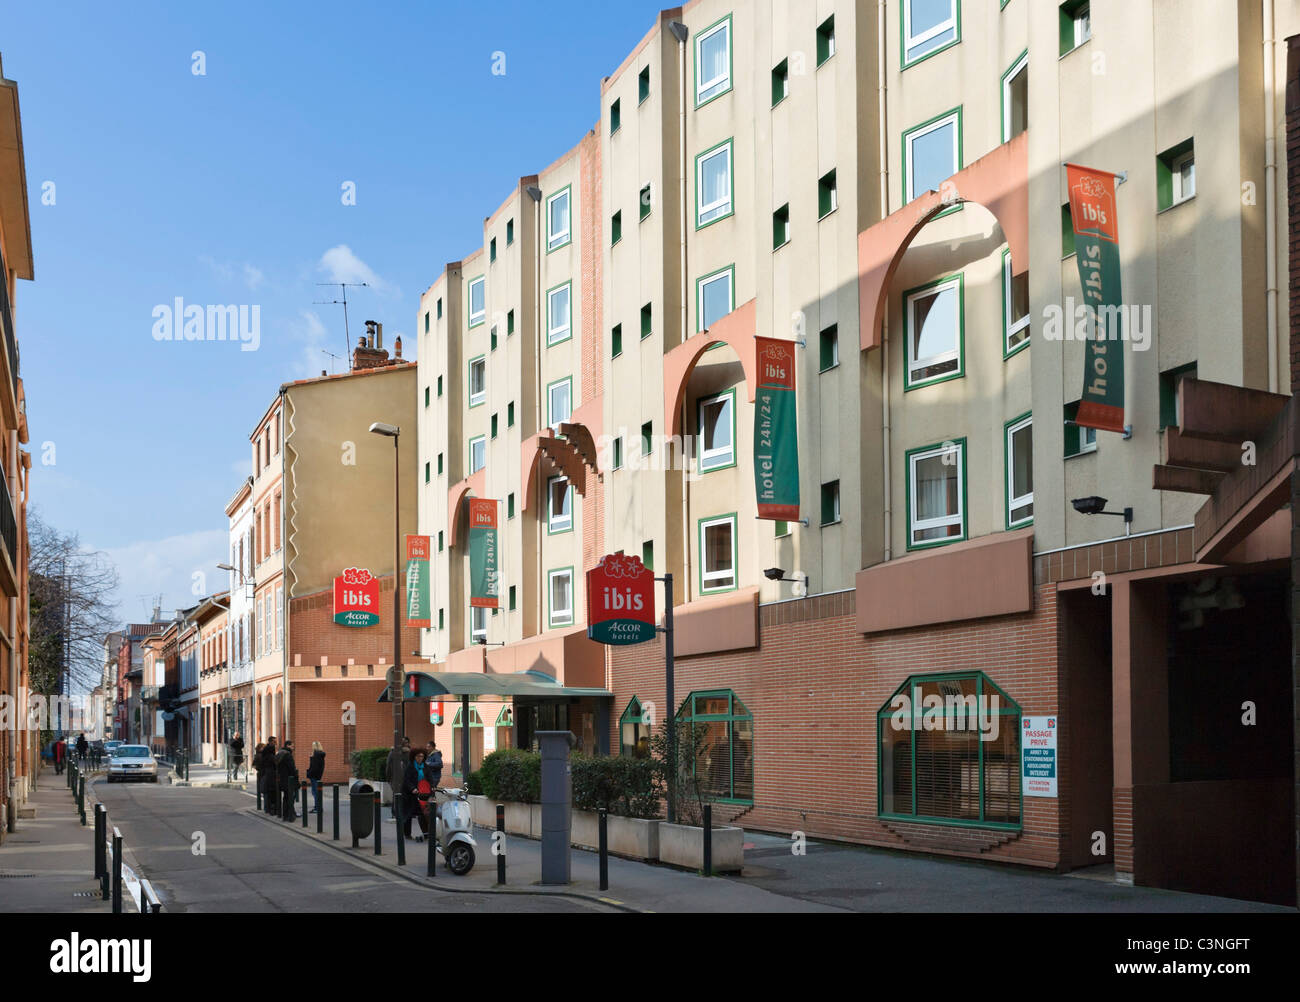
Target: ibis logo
point(621, 601)
point(356, 598)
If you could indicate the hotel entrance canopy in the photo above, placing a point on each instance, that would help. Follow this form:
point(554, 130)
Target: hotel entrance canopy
point(489, 687)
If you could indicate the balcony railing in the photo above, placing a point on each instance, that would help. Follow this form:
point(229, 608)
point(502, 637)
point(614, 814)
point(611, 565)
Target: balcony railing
point(7, 320)
point(8, 521)
point(241, 674)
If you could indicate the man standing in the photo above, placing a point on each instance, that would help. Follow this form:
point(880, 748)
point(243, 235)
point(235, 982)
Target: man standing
point(286, 774)
point(235, 755)
point(81, 748)
point(266, 775)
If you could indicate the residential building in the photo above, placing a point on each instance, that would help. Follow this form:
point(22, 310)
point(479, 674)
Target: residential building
point(239, 620)
point(268, 572)
point(211, 624)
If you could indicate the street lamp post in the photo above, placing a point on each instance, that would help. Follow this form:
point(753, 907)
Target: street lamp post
point(395, 682)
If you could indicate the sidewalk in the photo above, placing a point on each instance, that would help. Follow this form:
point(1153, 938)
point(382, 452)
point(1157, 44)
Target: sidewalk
point(48, 863)
point(633, 886)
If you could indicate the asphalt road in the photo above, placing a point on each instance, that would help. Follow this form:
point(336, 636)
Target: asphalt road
point(251, 866)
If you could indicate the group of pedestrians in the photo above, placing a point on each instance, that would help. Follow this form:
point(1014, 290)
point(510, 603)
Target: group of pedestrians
point(278, 781)
point(420, 772)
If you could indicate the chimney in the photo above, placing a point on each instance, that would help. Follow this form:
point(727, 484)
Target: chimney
point(379, 335)
point(397, 348)
point(369, 353)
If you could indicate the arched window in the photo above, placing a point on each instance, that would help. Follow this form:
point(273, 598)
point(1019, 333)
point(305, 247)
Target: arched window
point(506, 727)
point(475, 741)
point(634, 730)
point(722, 730)
point(949, 752)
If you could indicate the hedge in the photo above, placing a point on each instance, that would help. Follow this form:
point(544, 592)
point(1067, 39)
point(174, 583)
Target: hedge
point(371, 763)
point(622, 785)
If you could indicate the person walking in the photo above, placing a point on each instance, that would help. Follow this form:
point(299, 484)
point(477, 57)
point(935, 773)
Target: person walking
point(81, 747)
point(315, 771)
point(414, 782)
point(235, 749)
point(60, 754)
point(271, 792)
point(286, 775)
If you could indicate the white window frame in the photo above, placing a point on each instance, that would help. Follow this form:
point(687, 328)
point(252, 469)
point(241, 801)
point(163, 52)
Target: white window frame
point(717, 458)
point(567, 385)
point(1013, 501)
point(559, 617)
point(1081, 34)
point(561, 523)
point(558, 238)
point(478, 633)
point(915, 364)
point(952, 118)
point(911, 41)
point(712, 84)
point(554, 334)
point(730, 275)
point(259, 629)
point(1176, 166)
point(477, 318)
point(917, 524)
point(477, 440)
point(279, 617)
point(1014, 325)
point(705, 574)
point(1019, 66)
point(723, 207)
point(477, 397)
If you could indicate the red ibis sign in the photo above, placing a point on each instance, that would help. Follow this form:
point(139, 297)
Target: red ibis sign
point(356, 598)
point(620, 601)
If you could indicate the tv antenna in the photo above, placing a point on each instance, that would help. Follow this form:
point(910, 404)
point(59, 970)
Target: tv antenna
point(332, 356)
point(347, 337)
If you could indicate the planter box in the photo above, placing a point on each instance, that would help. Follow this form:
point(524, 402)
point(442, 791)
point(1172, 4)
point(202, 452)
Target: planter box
point(482, 811)
point(633, 838)
point(683, 845)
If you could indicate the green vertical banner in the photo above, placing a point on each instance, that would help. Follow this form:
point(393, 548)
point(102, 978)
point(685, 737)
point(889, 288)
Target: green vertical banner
point(1096, 244)
point(776, 432)
point(417, 580)
point(483, 580)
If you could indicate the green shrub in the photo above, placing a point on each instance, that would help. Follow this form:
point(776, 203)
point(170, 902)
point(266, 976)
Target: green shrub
point(519, 778)
point(487, 772)
point(474, 783)
point(621, 784)
point(370, 763)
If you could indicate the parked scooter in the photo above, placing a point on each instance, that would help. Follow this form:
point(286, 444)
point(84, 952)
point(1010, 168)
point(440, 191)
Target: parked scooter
point(453, 829)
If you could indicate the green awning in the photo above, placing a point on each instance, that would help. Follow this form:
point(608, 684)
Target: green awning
point(483, 686)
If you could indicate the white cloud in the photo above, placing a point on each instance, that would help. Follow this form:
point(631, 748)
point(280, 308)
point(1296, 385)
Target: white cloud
point(225, 271)
point(316, 339)
point(168, 567)
point(253, 277)
point(341, 265)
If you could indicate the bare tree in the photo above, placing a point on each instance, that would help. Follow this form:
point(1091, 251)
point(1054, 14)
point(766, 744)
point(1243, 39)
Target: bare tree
point(72, 610)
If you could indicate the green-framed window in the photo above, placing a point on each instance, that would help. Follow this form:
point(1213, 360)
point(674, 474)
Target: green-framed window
point(932, 153)
point(781, 226)
point(427, 472)
point(477, 301)
point(426, 321)
point(426, 396)
point(494, 426)
point(475, 740)
point(559, 597)
point(559, 219)
point(510, 505)
point(1176, 175)
point(936, 494)
point(718, 554)
point(1079, 441)
point(828, 199)
point(643, 85)
point(826, 40)
point(780, 82)
point(438, 306)
point(713, 62)
point(492, 250)
point(492, 339)
point(559, 506)
point(616, 227)
point(1018, 457)
point(1075, 20)
point(716, 417)
point(440, 540)
point(510, 232)
point(928, 27)
point(1015, 98)
point(1169, 380)
point(615, 116)
point(440, 464)
point(1067, 231)
point(721, 728)
point(715, 297)
point(512, 599)
point(948, 752)
point(714, 184)
point(648, 554)
point(828, 344)
point(830, 502)
point(618, 453)
point(510, 414)
point(616, 341)
point(559, 401)
point(647, 437)
point(934, 330)
point(634, 728)
point(647, 320)
point(442, 619)
point(477, 454)
point(510, 322)
point(439, 386)
point(559, 313)
point(645, 198)
point(477, 368)
point(1015, 308)
point(780, 529)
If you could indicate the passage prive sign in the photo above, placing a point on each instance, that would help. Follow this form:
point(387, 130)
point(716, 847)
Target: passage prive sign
point(620, 601)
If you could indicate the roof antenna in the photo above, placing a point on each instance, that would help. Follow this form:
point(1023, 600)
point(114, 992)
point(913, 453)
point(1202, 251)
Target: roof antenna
point(347, 338)
point(333, 357)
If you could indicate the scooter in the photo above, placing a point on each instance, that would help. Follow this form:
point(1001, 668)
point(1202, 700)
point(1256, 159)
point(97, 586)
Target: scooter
point(453, 828)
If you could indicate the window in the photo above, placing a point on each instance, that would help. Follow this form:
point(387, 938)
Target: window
point(645, 200)
point(648, 554)
point(781, 529)
point(831, 502)
point(426, 321)
point(928, 27)
point(722, 728)
point(714, 297)
point(933, 330)
point(1015, 308)
point(830, 347)
point(713, 185)
point(559, 396)
point(439, 386)
point(1176, 175)
point(494, 426)
point(279, 617)
point(442, 619)
point(964, 766)
point(1076, 24)
point(477, 454)
point(477, 381)
point(557, 220)
point(634, 731)
point(1015, 98)
point(492, 344)
point(428, 472)
point(439, 540)
point(1169, 381)
point(559, 505)
point(717, 422)
point(616, 341)
point(511, 593)
point(558, 313)
point(440, 464)
point(615, 117)
point(477, 302)
point(259, 627)
point(647, 312)
point(713, 61)
point(718, 554)
point(478, 618)
point(1078, 439)
point(510, 232)
point(510, 414)
point(643, 85)
point(560, 591)
point(826, 40)
point(936, 488)
point(931, 154)
point(426, 396)
point(492, 250)
point(458, 741)
point(439, 307)
point(616, 228)
point(781, 226)
point(510, 322)
point(1020, 471)
point(618, 453)
point(647, 436)
point(780, 82)
point(1067, 231)
point(510, 505)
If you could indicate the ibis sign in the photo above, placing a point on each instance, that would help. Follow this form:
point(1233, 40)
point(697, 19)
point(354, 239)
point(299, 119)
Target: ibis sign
point(356, 598)
point(620, 601)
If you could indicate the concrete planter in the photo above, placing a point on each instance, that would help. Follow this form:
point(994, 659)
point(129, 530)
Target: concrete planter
point(683, 845)
point(633, 838)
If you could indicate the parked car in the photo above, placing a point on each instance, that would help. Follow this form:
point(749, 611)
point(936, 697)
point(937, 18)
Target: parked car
point(132, 762)
point(110, 745)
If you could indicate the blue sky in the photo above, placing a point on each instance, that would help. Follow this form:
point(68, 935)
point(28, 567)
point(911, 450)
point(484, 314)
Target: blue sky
point(225, 188)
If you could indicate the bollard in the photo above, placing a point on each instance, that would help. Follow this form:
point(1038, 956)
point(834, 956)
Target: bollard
point(379, 821)
point(336, 812)
point(258, 784)
point(320, 817)
point(431, 866)
point(303, 786)
point(399, 806)
point(81, 799)
point(708, 840)
point(101, 818)
point(117, 872)
point(604, 849)
point(501, 844)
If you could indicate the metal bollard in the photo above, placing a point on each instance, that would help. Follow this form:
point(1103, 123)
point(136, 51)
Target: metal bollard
point(258, 785)
point(303, 786)
point(431, 866)
point(101, 821)
point(708, 840)
point(379, 821)
point(117, 872)
point(604, 850)
point(320, 816)
point(81, 799)
point(501, 844)
point(399, 806)
point(336, 812)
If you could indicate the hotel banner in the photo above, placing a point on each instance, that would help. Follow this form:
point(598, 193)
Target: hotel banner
point(776, 432)
point(1096, 244)
point(417, 580)
point(483, 581)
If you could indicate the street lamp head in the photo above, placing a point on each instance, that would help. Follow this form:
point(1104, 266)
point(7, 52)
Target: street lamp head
point(774, 573)
point(225, 567)
point(1091, 505)
point(380, 428)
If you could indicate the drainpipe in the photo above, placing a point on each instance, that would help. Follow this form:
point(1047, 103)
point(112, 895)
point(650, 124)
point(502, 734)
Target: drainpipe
point(538, 509)
point(680, 33)
point(1270, 199)
point(886, 482)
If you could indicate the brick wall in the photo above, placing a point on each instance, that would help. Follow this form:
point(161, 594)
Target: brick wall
point(313, 634)
point(316, 714)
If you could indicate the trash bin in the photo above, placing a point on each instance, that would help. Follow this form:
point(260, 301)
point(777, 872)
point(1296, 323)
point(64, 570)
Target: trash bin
point(362, 802)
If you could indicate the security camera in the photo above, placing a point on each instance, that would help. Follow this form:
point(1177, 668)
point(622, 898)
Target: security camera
point(1092, 505)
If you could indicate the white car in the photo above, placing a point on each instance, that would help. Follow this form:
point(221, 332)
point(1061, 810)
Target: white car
point(132, 762)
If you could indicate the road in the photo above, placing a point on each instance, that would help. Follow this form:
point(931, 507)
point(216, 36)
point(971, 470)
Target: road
point(252, 866)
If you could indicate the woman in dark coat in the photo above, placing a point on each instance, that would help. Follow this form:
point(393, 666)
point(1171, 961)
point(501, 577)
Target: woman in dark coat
point(266, 773)
point(286, 774)
point(316, 770)
point(411, 806)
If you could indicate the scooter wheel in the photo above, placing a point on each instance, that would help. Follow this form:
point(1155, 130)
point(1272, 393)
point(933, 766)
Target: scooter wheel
point(461, 859)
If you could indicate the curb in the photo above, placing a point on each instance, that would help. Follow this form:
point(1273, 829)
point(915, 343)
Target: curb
point(422, 881)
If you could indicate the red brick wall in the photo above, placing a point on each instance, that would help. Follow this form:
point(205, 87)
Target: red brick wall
point(814, 686)
point(316, 714)
point(313, 634)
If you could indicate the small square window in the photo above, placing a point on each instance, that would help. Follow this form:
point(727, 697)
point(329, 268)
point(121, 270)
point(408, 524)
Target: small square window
point(645, 200)
point(826, 40)
point(510, 232)
point(830, 347)
point(1076, 24)
point(510, 505)
point(510, 414)
point(615, 117)
point(780, 82)
point(616, 341)
point(1176, 175)
point(643, 85)
point(781, 226)
point(492, 250)
point(646, 312)
point(616, 228)
point(831, 502)
point(510, 322)
point(1067, 231)
point(648, 554)
point(618, 453)
point(647, 433)
point(827, 199)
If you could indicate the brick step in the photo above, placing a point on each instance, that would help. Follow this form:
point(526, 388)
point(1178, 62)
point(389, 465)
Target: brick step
point(941, 838)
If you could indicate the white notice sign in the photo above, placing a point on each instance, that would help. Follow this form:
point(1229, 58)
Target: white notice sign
point(1038, 756)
